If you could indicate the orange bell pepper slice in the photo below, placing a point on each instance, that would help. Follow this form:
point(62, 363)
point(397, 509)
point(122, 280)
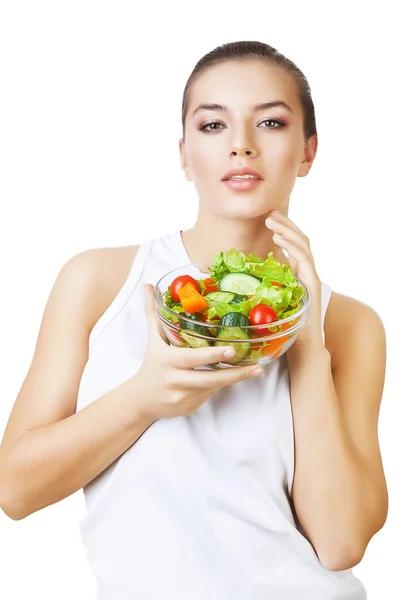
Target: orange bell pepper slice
point(273, 348)
point(190, 299)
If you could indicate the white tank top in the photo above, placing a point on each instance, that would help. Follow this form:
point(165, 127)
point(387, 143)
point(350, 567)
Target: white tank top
point(198, 508)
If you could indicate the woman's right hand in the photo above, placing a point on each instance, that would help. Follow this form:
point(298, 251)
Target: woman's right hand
point(168, 385)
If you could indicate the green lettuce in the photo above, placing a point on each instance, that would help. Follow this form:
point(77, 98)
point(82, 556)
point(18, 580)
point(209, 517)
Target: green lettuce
point(219, 309)
point(231, 262)
point(237, 262)
point(272, 269)
point(278, 298)
point(168, 300)
point(175, 307)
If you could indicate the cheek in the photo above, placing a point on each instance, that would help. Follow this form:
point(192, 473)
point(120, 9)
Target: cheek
point(282, 161)
point(282, 148)
point(206, 165)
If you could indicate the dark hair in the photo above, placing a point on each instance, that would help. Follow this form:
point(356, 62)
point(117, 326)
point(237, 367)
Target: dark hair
point(256, 50)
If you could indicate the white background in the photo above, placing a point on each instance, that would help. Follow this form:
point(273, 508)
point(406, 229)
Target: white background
point(90, 121)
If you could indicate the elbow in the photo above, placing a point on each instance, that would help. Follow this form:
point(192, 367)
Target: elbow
point(16, 516)
point(341, 559)
point(13, 510)
point(11, 507)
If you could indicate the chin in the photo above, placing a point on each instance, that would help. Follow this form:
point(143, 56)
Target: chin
point(246, 206)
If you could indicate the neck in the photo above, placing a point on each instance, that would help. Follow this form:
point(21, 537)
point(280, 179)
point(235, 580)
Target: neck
point(211, 235)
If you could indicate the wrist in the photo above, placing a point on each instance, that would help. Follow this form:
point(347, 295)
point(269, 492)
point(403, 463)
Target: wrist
point(138, 401)
point(311, 351)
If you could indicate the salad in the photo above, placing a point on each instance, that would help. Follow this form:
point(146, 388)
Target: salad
point(241, 291)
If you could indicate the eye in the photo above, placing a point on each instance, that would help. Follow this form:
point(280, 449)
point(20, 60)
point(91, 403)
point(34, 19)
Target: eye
point(276, 123)
point(210, 126)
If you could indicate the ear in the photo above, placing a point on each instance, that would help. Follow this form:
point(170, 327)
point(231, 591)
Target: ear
point(183, 161)
point(309, 155)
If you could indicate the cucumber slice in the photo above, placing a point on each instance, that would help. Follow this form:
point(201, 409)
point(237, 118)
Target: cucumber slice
point(242, 347)
point(239, 283)
point(187, 327)
point(193, 326)
point(236, 333)
point(188, 315)
point(235, 319)
point(230, 329)
point(238, 298)
point(194, 342)
point(220, 297)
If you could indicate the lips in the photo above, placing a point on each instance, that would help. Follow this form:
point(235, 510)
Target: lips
point(242, 171)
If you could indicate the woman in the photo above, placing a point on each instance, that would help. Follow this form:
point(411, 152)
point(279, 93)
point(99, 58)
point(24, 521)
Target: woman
point(209, 484)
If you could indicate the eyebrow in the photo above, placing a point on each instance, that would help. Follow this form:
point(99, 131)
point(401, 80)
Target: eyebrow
point(257, 107)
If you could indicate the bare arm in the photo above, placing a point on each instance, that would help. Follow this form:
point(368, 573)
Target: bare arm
point(48, 451)
point(52, 462)
point(339, 488)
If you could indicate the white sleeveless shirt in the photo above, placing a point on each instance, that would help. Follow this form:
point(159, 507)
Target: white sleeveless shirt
point(199, 507)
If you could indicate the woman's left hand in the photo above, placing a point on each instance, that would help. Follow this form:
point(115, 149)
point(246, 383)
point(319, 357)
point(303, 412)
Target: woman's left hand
point(289, 237)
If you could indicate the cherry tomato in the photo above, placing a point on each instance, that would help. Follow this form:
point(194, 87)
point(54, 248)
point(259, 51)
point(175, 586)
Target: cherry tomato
point(179, 282)
point(261, 314)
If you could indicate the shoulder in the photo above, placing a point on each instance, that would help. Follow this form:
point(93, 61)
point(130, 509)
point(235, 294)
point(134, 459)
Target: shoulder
point(98, 275)
point(351, 325)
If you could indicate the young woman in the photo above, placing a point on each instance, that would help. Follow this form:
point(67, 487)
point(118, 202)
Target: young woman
point(203, 484)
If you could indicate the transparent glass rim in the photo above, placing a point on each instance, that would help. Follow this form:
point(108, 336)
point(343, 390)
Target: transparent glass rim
point(160, 305)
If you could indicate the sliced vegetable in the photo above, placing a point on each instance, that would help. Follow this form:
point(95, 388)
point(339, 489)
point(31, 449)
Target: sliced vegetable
point(235, 319)
point(192, 326)
point(229, 297)
point(241, 348)
point(230, 328)
point(238, 299)
point(180, 282)
point(176, 339)
point(190, 299)
point(220, 297)
point(273, 347)
point(240, 283)
point(193, 341)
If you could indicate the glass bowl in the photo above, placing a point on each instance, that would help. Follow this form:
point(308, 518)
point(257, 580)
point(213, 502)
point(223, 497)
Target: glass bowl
point(256, 347)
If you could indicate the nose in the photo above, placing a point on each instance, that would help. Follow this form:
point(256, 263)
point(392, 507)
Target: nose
point(243, 152)
point(243, 146)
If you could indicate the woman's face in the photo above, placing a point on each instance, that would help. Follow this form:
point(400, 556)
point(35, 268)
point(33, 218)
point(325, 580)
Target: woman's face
point(243, 134)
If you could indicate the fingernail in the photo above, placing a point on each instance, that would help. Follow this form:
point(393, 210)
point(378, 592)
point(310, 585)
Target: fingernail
point(229, 353)
point(257, 372)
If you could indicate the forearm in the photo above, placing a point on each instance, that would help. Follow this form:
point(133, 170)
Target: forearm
point(333, 492)
point(52, 462)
